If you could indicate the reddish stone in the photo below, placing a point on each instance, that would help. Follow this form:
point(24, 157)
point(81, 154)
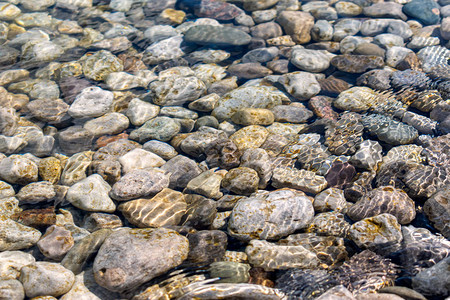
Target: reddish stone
point(321, 107)
point(340, 174)
point(40, 218)
point(218, 10)
point(132, 62)
point(106, 139)
point(333, 86)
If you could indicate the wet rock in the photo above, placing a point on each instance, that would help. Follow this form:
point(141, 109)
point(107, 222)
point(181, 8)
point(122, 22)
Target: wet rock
point(79, 290)
point(118, 266)
point(139, 183)
point(258, 160)
point(296, 208)
point(11, 289)
point(388, 130)
point(249, 137)
point(161, 149)
point(159, 128)
point(217, 35)
point(437, 210)
point(75, 168)
point(249, 70)
point(381, 233)
point(97, 221)
point(429, 283)
point(330, 199)
point(297, 24)
point(301, 85)
point(91, 194)
point(36, 192)
point(206, 184)
point(206, 246)
point(275, 257)
point(74, 139)
point(306, 181)
point(311, 60)
point(253, 97)
point(329, 224)
point(265, 31)
point(46, 279)
point(346, 27)
point(91, 102)
point(340, 174)
point(18, 169)
point(176, 90)
point(357, 63)
point(83, 250)
point(182, 171)
point(55, 110)
point(12, 261)
point(39, 218)
point(165, 208)
point(368, 156)
point(200, 211)
point(98, 65)
point(223, 153)
point(243, 290)
point(164, 50)
point(241, 181)
point(384, 200)
point(230, 271)
point(139, 159)
point(429, 11)
point(55, 243)
point(6, 190)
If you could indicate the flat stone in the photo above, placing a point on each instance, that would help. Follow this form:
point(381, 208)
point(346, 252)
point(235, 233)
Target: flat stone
point(139, 183)
point(182, 170)
point(259, 216)
point(425, 11)
point(217, 35)
point(241, 181)
point(306, 181)
point(249, 70)
point(264, 31)
point(252, 136)
point(159, 128)
point(130, 257)
point(311, 60)
point(100, 64)
point(271, 257)
point(206, 184)
point(138, 159)
point(297, 24)
point(79, 290)
point(108, 124)
point(176, 90)
point(36, 192)
point(357, 63)
point(164, 209)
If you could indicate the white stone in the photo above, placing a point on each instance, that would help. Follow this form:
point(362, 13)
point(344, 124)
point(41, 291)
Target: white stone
point(79, 291)
point(91, 102)
point(15, 236)
point(301, 85)
point(46, 279)
point(311, 60)
point(396, 54)
point(12, 261)
point(110, 123)
point(140, 111)
point(91, 194)
point(138, 159)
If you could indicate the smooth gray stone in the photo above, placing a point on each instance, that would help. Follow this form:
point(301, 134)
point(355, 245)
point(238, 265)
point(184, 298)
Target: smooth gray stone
point(217, 35)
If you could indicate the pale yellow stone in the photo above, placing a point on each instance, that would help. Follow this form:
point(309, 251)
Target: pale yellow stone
point(252, 136)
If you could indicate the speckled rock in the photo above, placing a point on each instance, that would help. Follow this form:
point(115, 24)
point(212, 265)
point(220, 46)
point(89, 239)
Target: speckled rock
point(381, 233)
point(301, 85)
point(241, 181)
point(6, 190)
point(164, 50)
point(91, 194)
point(79, 290)
point(108, 124)
point(91, 102)
point(388, 130)
point(138, 159)
point(223, 153)
point(12, 261)
point(206, 246)
point(346, 27)
point(345, 136)
point(161, 149)
point(259, 160)
point(195, 144)
point(330, 199)
point(200, 212)
point(11, 289)
point(429, 282)
point(46, 278)
point(340, 174)
point(84, 249)
point(355, 99)
point(176, 90)
point(437, 210)
point(254, 97)
point(252, 136)
point(264, 209)
point(253, 116)
point(55, 110)
point(159, 128)
point(291, 113)
point(165, 208)
point(306, 181)
point(36, 192)
point(368, 156)
point(56, 242)
point(311, 60)
point(75, 168)
point(97, 221)
point(100, 64)
point(74, 139)
point(230, 271)
point(218, 35)
point(275, 257)
point(384, 200)
point(182, 170)
point(329, 224)
point(297, 24)
point(206, 184)
point(357, 63)
point(50, 169)
point(139, 183)
point(225, 290)
point(117, 266)
point(140, 111)
point(18, 169)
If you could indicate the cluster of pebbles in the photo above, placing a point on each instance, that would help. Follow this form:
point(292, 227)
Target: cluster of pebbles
point(224, 149)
